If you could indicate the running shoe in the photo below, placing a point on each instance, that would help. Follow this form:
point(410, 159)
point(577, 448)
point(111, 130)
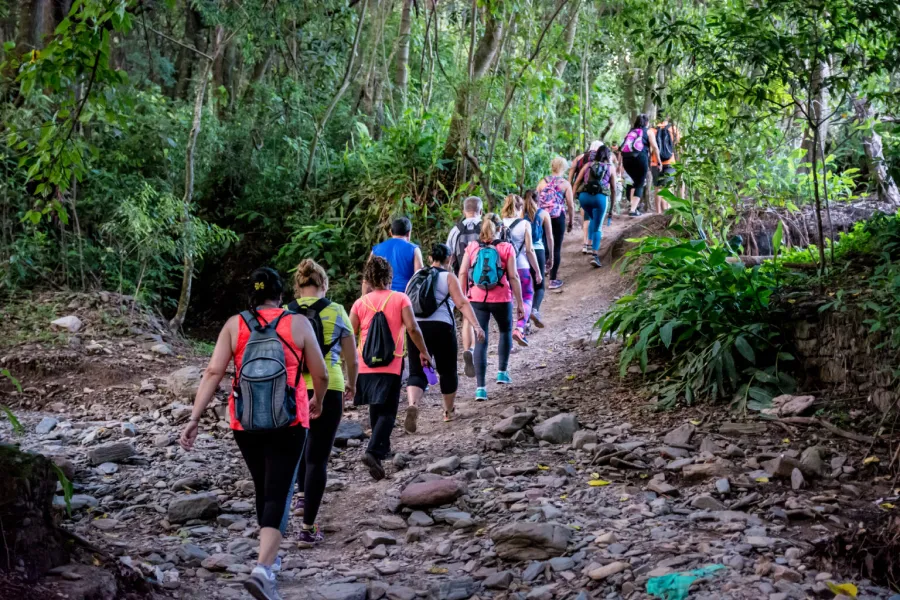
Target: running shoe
point(595, 262)
point(299, 505)
point(555, 284)
point(376, 470)
point(520, 338)
point(503, 377)
point(469, 360)
point(310, 537)
point(634, 213)
point(276, 566)
point(261, 584)
point(536, 318)
point(449, 415)
point(481, 394)
point(412, 415)
point(586, 249)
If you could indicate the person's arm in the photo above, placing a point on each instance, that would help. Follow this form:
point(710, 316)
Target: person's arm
point(415, 334)
point(305, 339)
point(548, 236)
point(654, 149)
point(464, 274)
point(464, 306)
point(572, 168)
point(570, 207)
point(512, 274)
point(541, 185)
point(418, 263)
point(531, 256)
point(212, 376)
point(351, 364)
point(580, 182)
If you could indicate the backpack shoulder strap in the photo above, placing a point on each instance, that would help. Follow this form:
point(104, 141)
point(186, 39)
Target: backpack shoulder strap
point(319, 305)
point(249, 320)
point(386, 300)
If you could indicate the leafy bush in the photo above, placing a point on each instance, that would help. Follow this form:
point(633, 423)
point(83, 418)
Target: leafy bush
point(712, 320)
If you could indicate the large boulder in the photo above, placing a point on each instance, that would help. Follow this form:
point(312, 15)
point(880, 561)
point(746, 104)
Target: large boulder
point(557, 430)
point(530, 541)
point(185, 382)
point(192, 506)
point(436, 492)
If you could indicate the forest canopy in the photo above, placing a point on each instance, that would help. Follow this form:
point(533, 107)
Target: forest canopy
point(152, 146)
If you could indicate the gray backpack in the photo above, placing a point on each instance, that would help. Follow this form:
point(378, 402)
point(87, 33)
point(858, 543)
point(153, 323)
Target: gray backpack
point(262, 397)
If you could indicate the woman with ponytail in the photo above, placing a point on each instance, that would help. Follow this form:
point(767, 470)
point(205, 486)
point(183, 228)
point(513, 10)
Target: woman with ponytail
point(272, 453)
point(339, 347)
point(490, 280)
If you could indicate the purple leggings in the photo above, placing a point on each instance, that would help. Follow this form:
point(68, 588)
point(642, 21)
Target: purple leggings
point(527, 295)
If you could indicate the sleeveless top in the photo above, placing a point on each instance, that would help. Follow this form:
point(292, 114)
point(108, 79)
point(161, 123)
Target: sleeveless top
point(290, 362)
point(517, 238)
point(444, 313)
point(402, 257)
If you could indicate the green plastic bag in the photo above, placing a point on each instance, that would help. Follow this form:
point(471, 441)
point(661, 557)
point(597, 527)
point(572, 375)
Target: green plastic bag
point(675, 586)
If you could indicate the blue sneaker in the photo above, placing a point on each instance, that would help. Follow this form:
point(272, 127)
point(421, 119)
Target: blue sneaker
point(481, 393)
point(503, 377)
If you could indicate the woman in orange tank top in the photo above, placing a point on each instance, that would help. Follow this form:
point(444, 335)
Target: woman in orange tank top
point(272, 454)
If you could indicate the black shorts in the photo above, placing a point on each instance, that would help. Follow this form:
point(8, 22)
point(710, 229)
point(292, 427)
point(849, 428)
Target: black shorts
point(664, 177)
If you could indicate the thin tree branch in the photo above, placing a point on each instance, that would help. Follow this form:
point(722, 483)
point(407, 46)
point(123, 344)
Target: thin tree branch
point(182, 44)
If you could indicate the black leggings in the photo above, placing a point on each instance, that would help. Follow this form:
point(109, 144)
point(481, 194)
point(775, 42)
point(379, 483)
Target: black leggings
point(313, 471)
point(272, 457)
point(503, 315)
point(381, 391)
point(440, 339)
point(558, 224)
point(539, 288)
point(637, 166)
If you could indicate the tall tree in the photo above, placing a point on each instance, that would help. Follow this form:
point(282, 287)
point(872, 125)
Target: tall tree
point(884, 184)
point(401, 75)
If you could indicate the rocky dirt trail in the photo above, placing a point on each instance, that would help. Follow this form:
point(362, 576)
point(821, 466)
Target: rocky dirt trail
point(561, 486)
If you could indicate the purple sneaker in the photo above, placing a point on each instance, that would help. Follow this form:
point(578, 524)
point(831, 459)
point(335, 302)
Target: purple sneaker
point(310, 537)
point(299, 505)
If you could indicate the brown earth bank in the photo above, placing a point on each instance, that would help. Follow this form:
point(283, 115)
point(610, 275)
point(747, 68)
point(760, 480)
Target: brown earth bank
point(565, 484)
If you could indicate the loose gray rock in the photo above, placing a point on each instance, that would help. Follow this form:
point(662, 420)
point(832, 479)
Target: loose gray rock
point(499, 581)
point(706, 502)
point(70, 323)
point(431, 493)
point(348, 430)
point(444, 466)
point(557, 430)
point(513, 423)
point(605, 571)
point(580, 438)
point(184, 382)
point(391, 522)
point(470, 462)
point(108, 468)
point(723, 486)
point(680, 436)
point(112, 452)
point(419, 519)
point(219, 562)
point(163, 349)
point(530, 541)
point(46, 425)
point(454, 589)
point(797, 480)
point(533, 571)
point(372, 538)
point(195, 506)
point(340, 591)
point(562, 563)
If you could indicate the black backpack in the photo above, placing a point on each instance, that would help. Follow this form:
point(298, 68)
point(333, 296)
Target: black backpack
point(665, 143)
point(506, 235)
point(378, 351)
point(313, 313)
point(468, 233)
point(422, 292)
point(597, 179)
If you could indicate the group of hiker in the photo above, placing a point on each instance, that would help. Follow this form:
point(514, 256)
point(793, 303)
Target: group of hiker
point(295, 366)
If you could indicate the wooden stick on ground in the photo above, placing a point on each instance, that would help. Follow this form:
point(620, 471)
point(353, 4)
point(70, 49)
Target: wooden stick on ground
point(857, 437)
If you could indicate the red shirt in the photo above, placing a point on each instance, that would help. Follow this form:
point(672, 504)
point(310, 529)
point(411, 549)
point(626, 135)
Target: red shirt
point(290, 361)
point(500, 293)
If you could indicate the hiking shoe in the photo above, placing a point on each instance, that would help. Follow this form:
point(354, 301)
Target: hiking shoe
point(481, 394)
point(520, 338)
point(503, 377)
point(536, 318)
point(412, 415)
point(261, 585)
point(307, 538)
point(555, 284)
point(469, 360)
point(449, 415)
point(276, 566)
point(595, 262)
point(586, 249)
point(299, 505)
point(634, 213)
point(374, 465)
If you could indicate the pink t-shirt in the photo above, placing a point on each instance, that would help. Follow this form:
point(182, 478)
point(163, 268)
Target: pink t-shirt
point(365, 309)
point(500, 293)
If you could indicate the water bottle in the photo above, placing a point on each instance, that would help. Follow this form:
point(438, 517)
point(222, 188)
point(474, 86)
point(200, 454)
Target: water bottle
point(430, 375)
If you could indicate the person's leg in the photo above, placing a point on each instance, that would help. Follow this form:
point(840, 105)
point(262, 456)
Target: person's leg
point(445, 352)
point(483, 314)
point(503, 315)
point(558, 225)
point(642, 169)
point(380, 444)
point(318, 450)
point(254, 452)
point(585, 240)
point(416, 384)
point(539, 288)
point(527, 297)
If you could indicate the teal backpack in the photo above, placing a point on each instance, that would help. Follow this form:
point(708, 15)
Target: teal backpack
point(489, 269)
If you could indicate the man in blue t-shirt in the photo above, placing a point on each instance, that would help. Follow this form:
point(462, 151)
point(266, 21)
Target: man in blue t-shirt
point(404, 257)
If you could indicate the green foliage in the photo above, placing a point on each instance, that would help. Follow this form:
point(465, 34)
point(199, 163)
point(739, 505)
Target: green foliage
point(710, 318)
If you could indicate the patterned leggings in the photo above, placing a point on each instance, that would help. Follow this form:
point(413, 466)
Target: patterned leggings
point(527, 295)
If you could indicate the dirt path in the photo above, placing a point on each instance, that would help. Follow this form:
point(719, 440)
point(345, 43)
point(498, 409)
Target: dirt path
point(670, 492)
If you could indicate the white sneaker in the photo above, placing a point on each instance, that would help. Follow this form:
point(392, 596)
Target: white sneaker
point(261, 584)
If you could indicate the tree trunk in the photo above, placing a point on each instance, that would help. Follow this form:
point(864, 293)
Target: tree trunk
point(320, 126)
point(871, 140)
point(401, 77)
point(187, 278)
point(571, 29)
point(628, 85)
point(650, 80)
point(30, 27)
point(458, 136)
point(819, 116)
point(185, 62)
point(259, 71)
